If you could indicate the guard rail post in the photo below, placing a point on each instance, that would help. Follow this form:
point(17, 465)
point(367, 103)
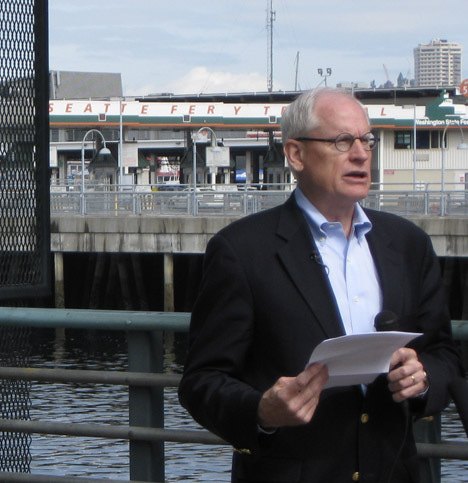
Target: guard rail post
point(428, 430)
point(146, 405)
point(426, 202)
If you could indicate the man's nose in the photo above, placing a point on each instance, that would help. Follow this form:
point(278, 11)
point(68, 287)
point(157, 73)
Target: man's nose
point(358, 152)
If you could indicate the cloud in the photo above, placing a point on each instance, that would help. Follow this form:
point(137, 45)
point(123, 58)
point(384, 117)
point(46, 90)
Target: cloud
point(203, 80)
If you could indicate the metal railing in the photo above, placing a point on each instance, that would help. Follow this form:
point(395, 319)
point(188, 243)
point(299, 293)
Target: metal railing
point(146, 382)
point(179, 200)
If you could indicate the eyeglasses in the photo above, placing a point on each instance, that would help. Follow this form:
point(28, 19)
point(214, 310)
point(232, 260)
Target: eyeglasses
point(344, 141)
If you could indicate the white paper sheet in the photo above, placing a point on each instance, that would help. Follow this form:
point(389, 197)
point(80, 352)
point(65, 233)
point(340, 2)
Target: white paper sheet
point(359, 358)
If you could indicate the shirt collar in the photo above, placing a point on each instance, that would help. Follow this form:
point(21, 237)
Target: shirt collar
point(318, 223)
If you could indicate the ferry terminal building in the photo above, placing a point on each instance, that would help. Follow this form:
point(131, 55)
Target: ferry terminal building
point(147, 132)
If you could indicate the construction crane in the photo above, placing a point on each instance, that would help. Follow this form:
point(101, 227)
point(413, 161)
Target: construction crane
point(386, 72)
point(388, 83)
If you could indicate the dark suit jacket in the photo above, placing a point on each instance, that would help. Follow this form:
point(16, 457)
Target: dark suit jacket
point(264, 304)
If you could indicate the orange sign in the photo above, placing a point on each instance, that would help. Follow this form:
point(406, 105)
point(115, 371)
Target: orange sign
point(464, 88)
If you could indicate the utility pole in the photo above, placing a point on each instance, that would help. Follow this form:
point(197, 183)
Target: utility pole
point(271, 17)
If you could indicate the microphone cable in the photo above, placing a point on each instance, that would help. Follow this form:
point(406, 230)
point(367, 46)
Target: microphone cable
point(407, 415)
point(317, 258)
point(387, 321)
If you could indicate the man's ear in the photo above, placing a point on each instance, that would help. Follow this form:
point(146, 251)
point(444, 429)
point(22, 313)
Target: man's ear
point(294, 152)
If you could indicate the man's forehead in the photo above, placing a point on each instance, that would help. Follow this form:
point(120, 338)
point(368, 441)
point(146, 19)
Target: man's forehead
point(336, 101)
point(338, 109)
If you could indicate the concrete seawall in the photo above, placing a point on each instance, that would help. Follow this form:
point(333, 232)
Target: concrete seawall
point(177, 235)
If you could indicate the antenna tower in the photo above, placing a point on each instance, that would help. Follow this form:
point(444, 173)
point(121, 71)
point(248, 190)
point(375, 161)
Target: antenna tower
point(271, 17)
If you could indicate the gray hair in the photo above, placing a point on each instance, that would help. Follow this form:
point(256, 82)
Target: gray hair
point(300, 118)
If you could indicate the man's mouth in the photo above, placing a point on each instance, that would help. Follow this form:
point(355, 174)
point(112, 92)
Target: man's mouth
point(356, 174)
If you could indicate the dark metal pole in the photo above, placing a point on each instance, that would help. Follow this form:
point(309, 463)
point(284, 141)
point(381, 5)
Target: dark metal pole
point(146, 405)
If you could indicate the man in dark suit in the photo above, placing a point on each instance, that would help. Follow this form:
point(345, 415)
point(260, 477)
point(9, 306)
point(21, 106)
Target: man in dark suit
point(278, 283)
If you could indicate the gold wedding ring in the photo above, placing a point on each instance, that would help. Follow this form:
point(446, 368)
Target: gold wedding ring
point(413, 379)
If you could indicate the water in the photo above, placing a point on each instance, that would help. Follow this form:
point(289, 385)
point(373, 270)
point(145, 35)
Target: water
point(453, 471)
point(102, 404)
point(79, 403)
point(91, 403)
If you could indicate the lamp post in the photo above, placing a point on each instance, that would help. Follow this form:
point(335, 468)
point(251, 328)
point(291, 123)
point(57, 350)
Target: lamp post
point(214, 142)
point(327, 74)
point(414, 147)
point(461, 145)
point(103, 150)
point(413, 106)
point(120, 164)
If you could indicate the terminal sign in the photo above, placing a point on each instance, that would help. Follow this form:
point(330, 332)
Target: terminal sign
point(464, 88)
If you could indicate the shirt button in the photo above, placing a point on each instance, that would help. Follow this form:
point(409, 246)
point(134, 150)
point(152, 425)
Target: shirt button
point(356, 476)
point(364, 418)
point(356, 299)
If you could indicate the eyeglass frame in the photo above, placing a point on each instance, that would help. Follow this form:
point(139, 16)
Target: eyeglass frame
point(362, 138)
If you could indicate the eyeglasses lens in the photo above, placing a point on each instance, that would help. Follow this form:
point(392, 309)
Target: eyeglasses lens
point(345, 141)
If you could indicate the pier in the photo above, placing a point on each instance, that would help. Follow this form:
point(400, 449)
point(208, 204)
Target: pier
point(173, 224)
point(176, 222)
point(189, 235)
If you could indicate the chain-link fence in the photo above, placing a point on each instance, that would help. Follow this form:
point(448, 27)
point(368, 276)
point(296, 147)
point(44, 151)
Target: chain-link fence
point(24, 198)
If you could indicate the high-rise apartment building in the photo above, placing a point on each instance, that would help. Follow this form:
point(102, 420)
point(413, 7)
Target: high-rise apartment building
point(438, 63)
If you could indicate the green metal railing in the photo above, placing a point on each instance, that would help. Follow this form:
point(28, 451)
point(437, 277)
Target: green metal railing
point(146, 382)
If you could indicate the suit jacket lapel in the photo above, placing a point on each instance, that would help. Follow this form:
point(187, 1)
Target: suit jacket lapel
point(296, 255)
point(388, 264)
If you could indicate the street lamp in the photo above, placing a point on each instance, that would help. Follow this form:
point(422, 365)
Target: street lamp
point(214, 143)
point(120, 164)
point(461, 145)
point(413, 106)
point(104, 151)
point(327, 74)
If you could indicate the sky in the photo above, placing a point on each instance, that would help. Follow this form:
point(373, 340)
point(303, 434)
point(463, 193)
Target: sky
point(220, 46)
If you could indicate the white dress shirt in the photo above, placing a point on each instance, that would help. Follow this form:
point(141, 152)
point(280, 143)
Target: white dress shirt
point(349, 265)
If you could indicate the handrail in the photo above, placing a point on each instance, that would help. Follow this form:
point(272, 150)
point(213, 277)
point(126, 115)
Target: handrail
point(447, 450)
point(117, 378)
point(232, 201)
point(454, 450)
point(118, 320)
point(6, 477)
point(126, 320)
point(130, 433)
point(375, 185)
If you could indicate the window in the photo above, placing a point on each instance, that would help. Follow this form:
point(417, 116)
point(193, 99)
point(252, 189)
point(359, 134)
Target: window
point(436, 139)
point(403, 139)
point(425, 139)
point(54, 135)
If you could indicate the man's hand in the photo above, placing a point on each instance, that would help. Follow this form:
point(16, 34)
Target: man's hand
point(292, 401)
point(407, 377)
